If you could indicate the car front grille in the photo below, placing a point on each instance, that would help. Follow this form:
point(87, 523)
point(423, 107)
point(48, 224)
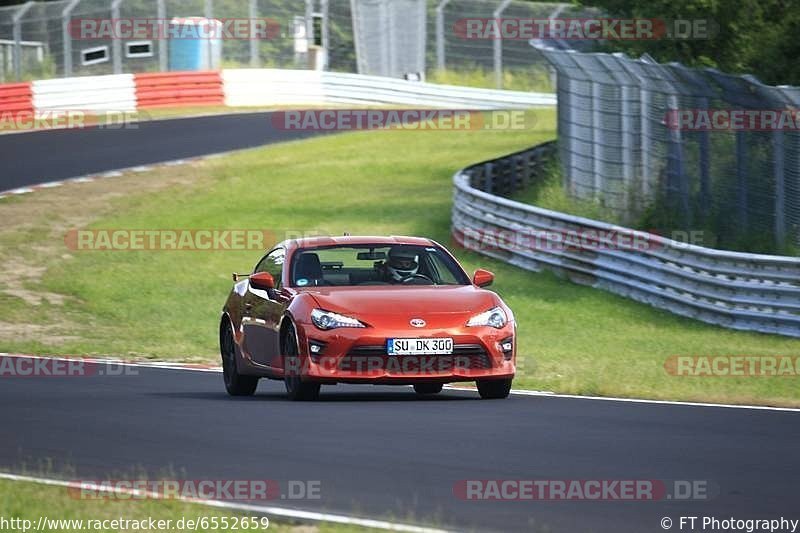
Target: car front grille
point(469, 356)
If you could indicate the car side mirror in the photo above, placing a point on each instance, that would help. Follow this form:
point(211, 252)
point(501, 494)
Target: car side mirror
point(482, 278)
point(263, 281)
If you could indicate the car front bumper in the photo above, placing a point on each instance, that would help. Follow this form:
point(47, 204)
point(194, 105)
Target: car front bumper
point(354, 355)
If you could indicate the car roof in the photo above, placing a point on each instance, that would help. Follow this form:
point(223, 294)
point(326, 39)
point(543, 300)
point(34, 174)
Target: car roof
point(315, 242)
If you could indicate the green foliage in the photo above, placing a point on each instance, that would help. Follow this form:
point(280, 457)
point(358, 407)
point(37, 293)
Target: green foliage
point(753, 36)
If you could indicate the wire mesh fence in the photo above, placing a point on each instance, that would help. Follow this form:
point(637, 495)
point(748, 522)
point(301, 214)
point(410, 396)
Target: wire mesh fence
point(681, 148)
point(395, 38)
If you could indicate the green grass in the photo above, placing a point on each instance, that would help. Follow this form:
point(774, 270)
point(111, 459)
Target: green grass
point(30, 501)
point(532, 78)
point(166, 305)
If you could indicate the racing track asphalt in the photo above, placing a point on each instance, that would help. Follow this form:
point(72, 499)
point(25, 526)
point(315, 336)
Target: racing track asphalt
point(382, 452)
point(379, 452)
point(36, 157)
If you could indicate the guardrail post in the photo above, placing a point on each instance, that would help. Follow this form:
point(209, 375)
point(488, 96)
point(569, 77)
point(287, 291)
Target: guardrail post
point(498, 47)
point(440, 57)
point(780, 188)
point(116, 44)
point(17, 33)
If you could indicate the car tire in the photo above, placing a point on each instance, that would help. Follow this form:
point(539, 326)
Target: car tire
point(296, 388)
point(235, 383)
point(494, 389)
point(427, 388)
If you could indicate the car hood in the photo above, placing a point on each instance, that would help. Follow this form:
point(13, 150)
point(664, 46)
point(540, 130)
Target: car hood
point(399, 300)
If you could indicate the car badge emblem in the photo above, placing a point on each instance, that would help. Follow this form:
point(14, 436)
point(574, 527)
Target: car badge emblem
point(417, 322)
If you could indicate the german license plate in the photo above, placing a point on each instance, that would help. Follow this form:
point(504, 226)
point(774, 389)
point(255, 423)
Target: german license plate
point(441, 346)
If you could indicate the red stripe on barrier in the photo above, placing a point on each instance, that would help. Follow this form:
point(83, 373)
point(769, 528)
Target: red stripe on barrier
point(176, 89)
point(16, 97)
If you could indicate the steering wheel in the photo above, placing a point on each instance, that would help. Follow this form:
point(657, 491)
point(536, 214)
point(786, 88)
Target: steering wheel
point(417, 276)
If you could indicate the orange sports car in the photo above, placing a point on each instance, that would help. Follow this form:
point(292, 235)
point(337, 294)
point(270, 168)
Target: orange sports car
point(380, 310)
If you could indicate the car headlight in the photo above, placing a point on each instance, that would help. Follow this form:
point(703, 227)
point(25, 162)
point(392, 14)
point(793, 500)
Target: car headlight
point(494, 317)
point(328, 320)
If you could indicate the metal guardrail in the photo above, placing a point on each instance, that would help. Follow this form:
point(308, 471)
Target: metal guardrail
point(731, 289)
point(275, 86)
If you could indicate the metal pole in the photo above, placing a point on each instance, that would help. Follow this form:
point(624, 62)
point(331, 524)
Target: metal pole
point(597, 141)
point(780, 188)
point(422, 26)
point(498, 47)
point(17, 21)
point(116, 44)
point(255, 60)
point(440, 57)
point(741, 178)
point(161, 10)
point(208, 13)
point(66, 37)
point(326, 36)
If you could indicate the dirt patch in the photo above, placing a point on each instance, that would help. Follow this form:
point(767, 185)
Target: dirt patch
point(34, 226)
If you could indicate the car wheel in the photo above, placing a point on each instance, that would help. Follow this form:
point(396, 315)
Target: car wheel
point(427, 388)
point(296, 388)
point(494, 389)
point(235, 383)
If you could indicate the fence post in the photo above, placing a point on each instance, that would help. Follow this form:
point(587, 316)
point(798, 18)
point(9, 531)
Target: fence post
point(440, 57)
point(498, 47)
point(741, 179)
point(66, 38)
point(597, 140)
point(17, 31)
point(325, 9)
point(161, 10)
point(705, 167)
point(252, 12)
point(116, 44)
point(780, 188)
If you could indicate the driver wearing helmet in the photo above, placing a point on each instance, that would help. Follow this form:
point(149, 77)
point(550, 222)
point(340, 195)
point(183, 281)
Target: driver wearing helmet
point(401, 264)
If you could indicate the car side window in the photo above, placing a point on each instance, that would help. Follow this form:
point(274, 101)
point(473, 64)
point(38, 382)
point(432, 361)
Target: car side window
point(272, 263)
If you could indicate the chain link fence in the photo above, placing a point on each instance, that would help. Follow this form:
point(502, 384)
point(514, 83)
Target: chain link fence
point(379, 37)
point(630, 138)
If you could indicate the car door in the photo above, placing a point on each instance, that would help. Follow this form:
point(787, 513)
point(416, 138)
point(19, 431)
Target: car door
point(263, 310)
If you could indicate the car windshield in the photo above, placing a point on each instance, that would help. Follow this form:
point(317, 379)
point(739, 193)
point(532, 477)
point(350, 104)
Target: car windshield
point(380, 264)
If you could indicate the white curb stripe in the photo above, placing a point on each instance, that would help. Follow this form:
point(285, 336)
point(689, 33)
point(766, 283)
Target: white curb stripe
point(296, 514)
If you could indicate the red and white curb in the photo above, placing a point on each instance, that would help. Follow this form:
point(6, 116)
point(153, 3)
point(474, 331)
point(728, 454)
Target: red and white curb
point(270, 511)
point(198, 367)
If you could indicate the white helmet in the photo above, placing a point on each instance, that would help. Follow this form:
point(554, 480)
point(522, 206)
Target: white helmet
point(402, 262)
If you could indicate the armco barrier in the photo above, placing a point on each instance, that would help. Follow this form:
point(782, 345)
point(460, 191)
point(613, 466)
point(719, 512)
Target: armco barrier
point(263, 87)
point(89, 93)
point(16, 97)
point(735, 290)
point(175, 89)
